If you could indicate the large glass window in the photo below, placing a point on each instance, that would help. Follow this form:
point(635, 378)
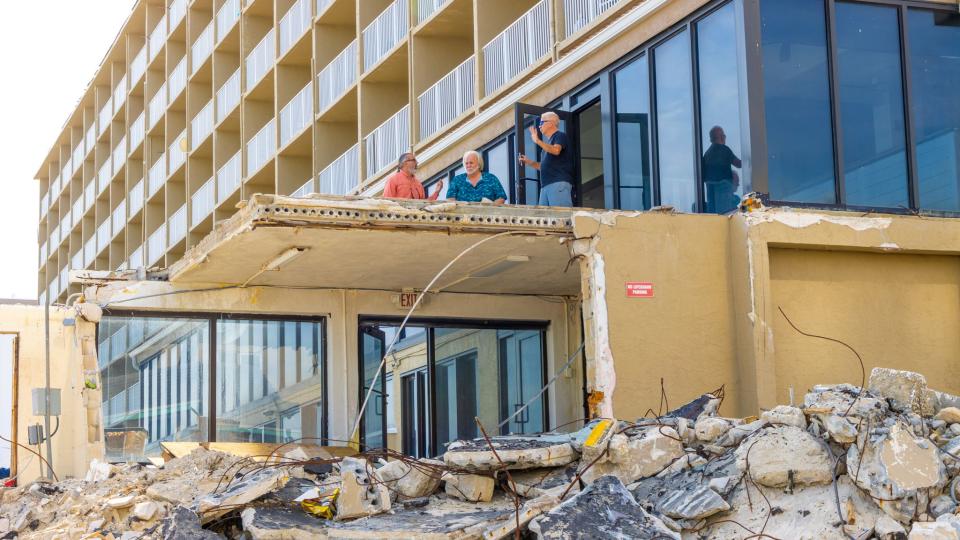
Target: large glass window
point(720, 165)
point(675, 140)
point(934, 79)
point(633, 134)
point(797, 101)
point(871, 105)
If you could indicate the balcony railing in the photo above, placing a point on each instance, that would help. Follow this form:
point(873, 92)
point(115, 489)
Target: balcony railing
point(322, 5)
point(157, 37)
point(201, 202)
point(78, 154)
point(343, 175)
point(136, 258)
point(158, 105)
point(136, 197)
point(157, 244)
point(103, 177)
point(228, 96)
point(450, 97)
point(177, 80)
point(64, 279)
point(103, 234)
point(44, 205)
point(76, 262)
point(178, 8)
point(138, 66)
point(261, 147)
point(202, 124)
point(120, 154)
point(175, 153)
point(386, 142)
point(338, 76)
point(293, 24)
point(518, 47)
point(78, 209)
point(261, 59)
point(228, 178)
point(178, 225)
point(137, 131)
point(297, 114)
point(91, 139)
point(89, 194)
point(304, 190)
point(157, 176)
point(55, 188)
point(201, 48)
point(120, 94)
point(227, 16)
point(579, 13)
point(119, 217)
point(43, 253)
point(55, 238)
point(67, 221)
point(106, 115)
point(89, 251)
point(426, 8)
point(384, 33)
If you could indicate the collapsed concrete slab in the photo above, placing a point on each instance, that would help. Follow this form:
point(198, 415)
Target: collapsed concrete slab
point(362, 492)
point(841, 398)
point(785, 456)
point(411, 481)
point(529, 452)
point(639, 455)
point(249, 488)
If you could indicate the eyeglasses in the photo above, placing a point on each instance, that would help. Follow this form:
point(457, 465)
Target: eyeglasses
point(409, 160)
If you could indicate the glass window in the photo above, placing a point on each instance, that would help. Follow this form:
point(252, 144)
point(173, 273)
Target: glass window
point(797, 101)
point(871, 105)
point(675, 123)
point(498, 163)
point(154, 376)
point(720, 111)
point(633, 134)
point(934, 79)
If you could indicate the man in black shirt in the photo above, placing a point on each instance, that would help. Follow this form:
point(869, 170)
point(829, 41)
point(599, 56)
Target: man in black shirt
point(556, 169)
point(719, 179)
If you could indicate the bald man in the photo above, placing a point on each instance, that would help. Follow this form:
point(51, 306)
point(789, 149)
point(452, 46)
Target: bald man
point(556, 169)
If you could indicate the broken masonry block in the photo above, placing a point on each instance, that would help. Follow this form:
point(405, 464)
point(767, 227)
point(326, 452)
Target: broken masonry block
point(409, 481)
point(710, 428)
point(515, 452)
point(249, 488)
point(785, 415)
point(905, 390)
point(785, 456)
point(932, 530)
point(635, 457)
point(362, 492)
point(469, 487)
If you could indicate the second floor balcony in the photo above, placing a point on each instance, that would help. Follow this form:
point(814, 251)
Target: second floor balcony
point(338, 76)
point(156, 244)
point(385, 143)
point(521, 45)
point(446, 100)
point(261, 147)
point(385, 32)
point(261, 59)
point(201, 125)
point(297, 114)
point(202, 202)
point(228, 178)
point(341, 176)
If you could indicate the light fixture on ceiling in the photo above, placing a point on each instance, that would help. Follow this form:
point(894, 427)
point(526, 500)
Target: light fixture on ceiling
point(499, 266)
point(283, 258)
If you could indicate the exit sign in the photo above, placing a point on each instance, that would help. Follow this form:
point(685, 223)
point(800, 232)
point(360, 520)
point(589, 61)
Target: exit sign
point(639, 289)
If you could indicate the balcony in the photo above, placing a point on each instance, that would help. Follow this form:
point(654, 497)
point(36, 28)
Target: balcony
point(103, 177)
point(56, 186)
point(293, 24)
point(261, 148)
point(384, 33)
point(201, 202)
point(201, 48)
point(106, 115)
point(176, 154)
point(227, 16)
point(91, 139)
point(157, 176)
point(55, 238)
point(388, 141)
point(78, 154)
point(136, 258)
point(426, 8)
point(136, 197)
point(43, 253)
point(138, 66)
point(157, 37)
point(64, 279)
point(76, 262)
point(341, 176)
point(580, 13)
point(201, 125)
point(446, 100)
point(297, 114)
point(119, 217)
point(517, 48)
point(228, 178)
point(120, 94)
point(178, 9)
point(338, 76)
point(89, 195)
point(120, 154)
point(44, 205)
point(78, 210)
point(158, 105)
point(89, 251)
point(156, 244)
point(178, 225)
point(228, 96)
point(177, 80)
point(322, 6)
point(304, 190)
point(260, 60)
point(103, 235)
point(137, 131)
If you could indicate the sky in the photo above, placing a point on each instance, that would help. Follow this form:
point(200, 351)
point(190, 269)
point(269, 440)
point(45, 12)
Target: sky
point(50, 51)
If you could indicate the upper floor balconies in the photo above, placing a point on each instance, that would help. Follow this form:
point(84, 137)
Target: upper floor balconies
point(202, 202)
point(119, 217)
point(106, 115)
point(228, 178)
point(137, 131)
point(446, 100)
point(338, 76)
point(157, 176)
point(177, 226)
point(136, 198)
point(385, 33)
point(157, 106)
point(426, 8)
point(156, 244)
point(120, 94)
point(176, 153)
point(387, 141)
point(261, 59)
point(201, 48)
point(158, 36)
point(138, 66)
point(177, 81)
point(343, 175)
point(178, 9)
point(227, 16)
point(293, 24)
point(104, 175)
point(522, 44)
point(578, 14)
point(201, 125)
point(228, 96)
point(261, 147)
point(297, 114)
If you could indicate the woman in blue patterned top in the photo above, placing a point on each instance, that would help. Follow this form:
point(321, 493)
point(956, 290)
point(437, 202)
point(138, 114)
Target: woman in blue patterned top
point(475, 185)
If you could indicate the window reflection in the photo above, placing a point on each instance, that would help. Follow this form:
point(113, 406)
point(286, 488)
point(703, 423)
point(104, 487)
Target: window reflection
point(675, 150)
point(497, 161)
point(633, 135)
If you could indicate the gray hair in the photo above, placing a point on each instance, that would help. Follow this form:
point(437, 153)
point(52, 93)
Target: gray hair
point(476, 155)
point(552, 115)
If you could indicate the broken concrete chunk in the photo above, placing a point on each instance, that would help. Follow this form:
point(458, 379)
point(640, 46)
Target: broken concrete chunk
point(282, 523)
point(121, 502)
point(469, 487)
point(699, 503)
point(932, 530)
point(705, 405)
point(950, 415)
point(785, 415)
point(605, 509)
point(710, 428)
point(147, 510)
point(362, 492)
point(533, 483)
point(785, 456)
point(687, 461)
point(411, 482)
point(840, 429)
point(251, 487)
point(183, 524)
point(515, 452)
point(631, 458)
point(837, 399)
point(905, 390)
point(737, 434)
point(888, 528)
point(942, 504)
point(99, 471)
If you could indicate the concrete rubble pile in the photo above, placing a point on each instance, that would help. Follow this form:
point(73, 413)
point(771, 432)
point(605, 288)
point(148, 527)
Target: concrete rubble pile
point(878, 462)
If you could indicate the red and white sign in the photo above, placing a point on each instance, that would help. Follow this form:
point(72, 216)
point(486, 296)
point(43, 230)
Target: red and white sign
point(639, 289)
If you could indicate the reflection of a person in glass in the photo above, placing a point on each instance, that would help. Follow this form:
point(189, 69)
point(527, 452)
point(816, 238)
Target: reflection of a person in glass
point(719, 179)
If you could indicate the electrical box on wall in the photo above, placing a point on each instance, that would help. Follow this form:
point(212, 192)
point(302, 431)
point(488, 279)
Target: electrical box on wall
point(38, 399)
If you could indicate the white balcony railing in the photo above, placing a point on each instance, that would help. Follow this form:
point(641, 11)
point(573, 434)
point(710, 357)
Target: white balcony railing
point(55, 188)
point(78, 209)
point(261, 147)
point(43, 252)
point(64, 279)
point(103, 177)
point(119, 217)
point(450, 97)
point(201, 202)
point(261, 59)
point(322, 6)
point(178, 225)
point(297, 114)
point(76, 262)
point(293, 24)
point(120, 154)
point(55, 238)
point(137, 131)
point(304, 190)
point(177, 80)
point(426, 8)
point(383, 34)
point(156, 244)
point(227, 16)
point(136, 258)
point(78, 154)
point(228, 178)
point(91, 139)
point(343, 175)
point(89, 251)
point(89, 195)
point(106, 115)
point(518, 47)
point(579, 13)
point(103, 234)
point(178, 8)
point(157, 176)
point(158, 105)
point(138, 66)
point(175, 153)
point(385, 143)
point(228, 96)
point(44, 205)
point(136, 197)
point(67, 221)
point(157, 37)
point(201, 48)
point(338, 76)
point(120, 94)
point(201, 125)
